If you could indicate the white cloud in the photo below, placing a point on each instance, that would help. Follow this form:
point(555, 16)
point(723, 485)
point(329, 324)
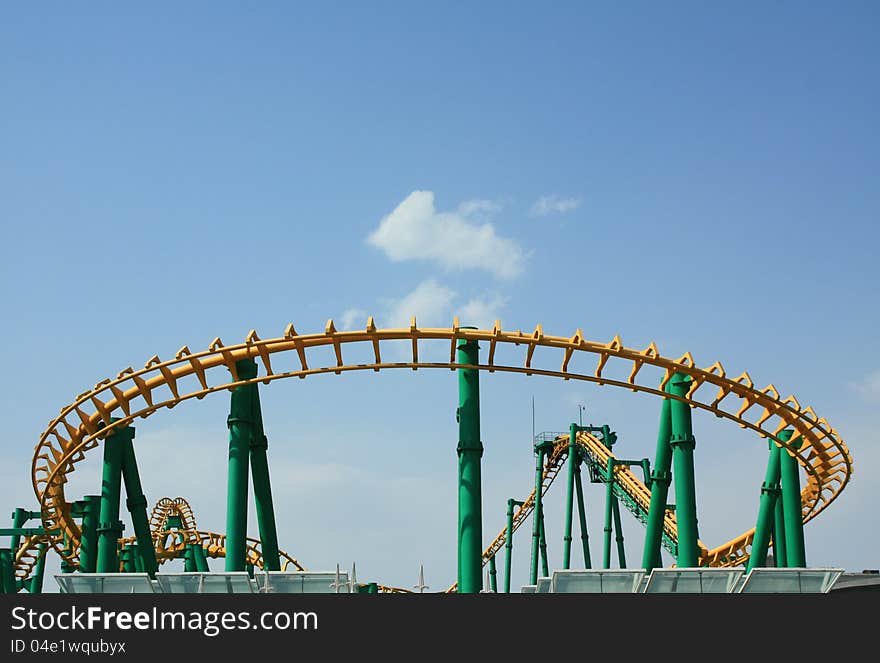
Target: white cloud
point(482, 312)
point(430, 302)
point(353, 317)
point(554, 204)
point(415, 230)
point(869, 388)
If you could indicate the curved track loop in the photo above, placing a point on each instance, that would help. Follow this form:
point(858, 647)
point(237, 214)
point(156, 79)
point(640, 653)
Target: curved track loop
point(139, 393)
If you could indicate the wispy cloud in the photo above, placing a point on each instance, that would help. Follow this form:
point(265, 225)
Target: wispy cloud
point(430, 302)
point(352, 317)
point(869, 387)
point(434, 304)
point(554, 204)
point(456, 240)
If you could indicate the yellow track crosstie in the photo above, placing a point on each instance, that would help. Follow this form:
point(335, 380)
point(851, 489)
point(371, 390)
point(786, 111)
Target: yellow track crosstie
point(139, 393)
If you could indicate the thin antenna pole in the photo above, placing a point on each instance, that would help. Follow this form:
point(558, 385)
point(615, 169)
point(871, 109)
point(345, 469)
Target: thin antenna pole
point(533, 418)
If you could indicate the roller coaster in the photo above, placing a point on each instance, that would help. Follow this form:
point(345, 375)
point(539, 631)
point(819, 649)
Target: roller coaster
point(86, 533)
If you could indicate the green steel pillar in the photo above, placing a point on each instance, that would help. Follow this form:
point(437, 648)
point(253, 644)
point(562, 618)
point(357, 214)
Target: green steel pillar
point(137, 558)
point(683, 443)
point(508, 543)
point(569, 496)
point(660, 480)
point(493, 575)
point(126, 558)
point(200, 558)
point(240, 426)
point(582, 515)
point(189, 558)
point(766, 509)
point(791, 504)
point(35, 584)
point(7, 572)
point(618, 530)
point(779, 552)
point(545, 563)
point(609, 498)
point(470, 451)
point(88, 546)
point(19, 518)
point(109, 525)
point(537, 512)
point(136, 503)
point(262, 486)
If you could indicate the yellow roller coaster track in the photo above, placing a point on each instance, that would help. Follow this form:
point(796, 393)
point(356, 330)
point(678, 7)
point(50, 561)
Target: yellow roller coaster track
point(138, 393)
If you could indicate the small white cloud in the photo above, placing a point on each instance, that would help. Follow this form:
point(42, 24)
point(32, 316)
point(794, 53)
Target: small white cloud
point(457, 240)
point(482, 312)
point(554, 204)
point(353, 317)
point(869, 388)
point(430, 302)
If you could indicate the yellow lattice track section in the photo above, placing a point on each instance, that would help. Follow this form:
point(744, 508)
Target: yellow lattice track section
point(139, 393)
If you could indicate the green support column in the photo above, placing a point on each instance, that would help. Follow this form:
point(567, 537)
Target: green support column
point(609, 498)
point(109, 525)
point(35, 583)
point(262, 485)
point(508, 543)
point(88, 543)
point(7, 572)
point(493, 576)
point(200, 558)
point(660, 480)
point(683, 444)
point(569, 496)
point(19, 518)
point(618, 530)
point(582, 515)
point(470, 451)
point(545, 562)
point(779, 556)
point(189, 558)
point(537, 512)
point(136, 503)
point(766, 510)
point(240, 426)
point(791, 504)
point(126, 559)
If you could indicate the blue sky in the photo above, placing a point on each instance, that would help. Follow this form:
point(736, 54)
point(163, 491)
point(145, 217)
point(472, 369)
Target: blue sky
point(703, 177)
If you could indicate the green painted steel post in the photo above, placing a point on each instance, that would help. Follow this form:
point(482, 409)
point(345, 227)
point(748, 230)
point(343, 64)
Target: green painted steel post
point(791, 503)
point(7, 571)
point(609, 497)
point(618, 530)
point(470, 451)
point(35, 584)
point(126, 558)
point(19, 518)
point(88, 547)
point(545, 562)
point(780, 559)
point(536, 513)
point(766, 507)
point(262, 485)
point(683, 444)
point(569, 496)
point(240, 426)
point(493, 575)
point(582, 516)
point(660, 480)
point(136, 502)
point(189, 558)
point(508, 543)
point(109, 525)
point(200, 558)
